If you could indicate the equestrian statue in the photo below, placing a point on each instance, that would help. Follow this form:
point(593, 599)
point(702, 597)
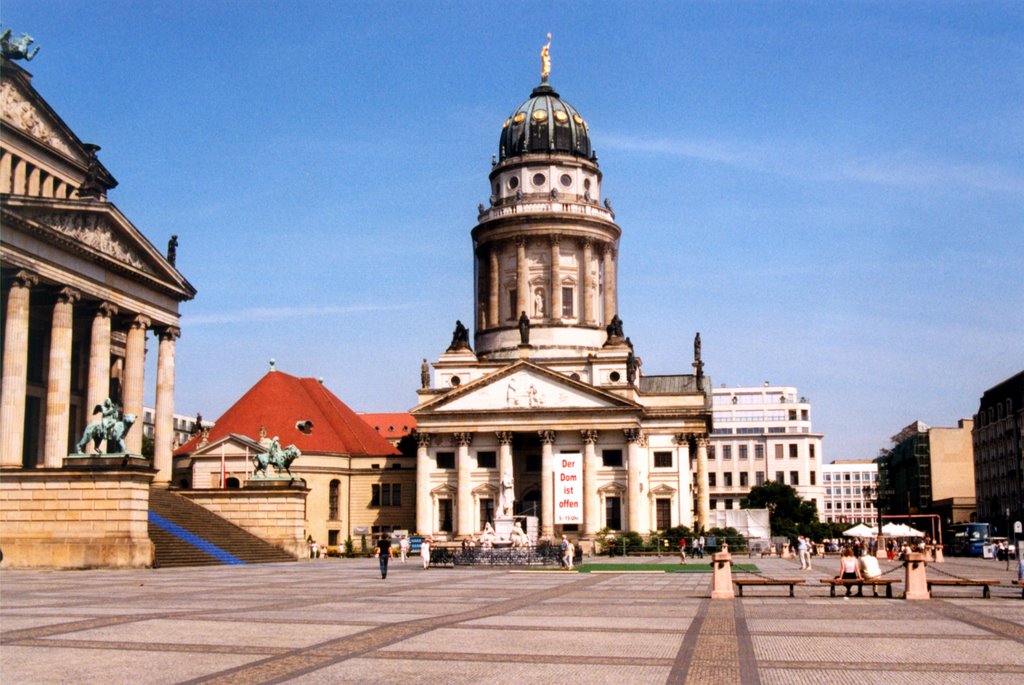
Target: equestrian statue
point(112, 427)
point(278, 457)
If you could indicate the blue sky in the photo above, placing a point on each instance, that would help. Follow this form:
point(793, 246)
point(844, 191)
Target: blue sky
point(831, 193)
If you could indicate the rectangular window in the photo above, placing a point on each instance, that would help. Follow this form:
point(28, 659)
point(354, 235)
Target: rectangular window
point(828, 506)
point(444, 515)
point(744, 479)
point(446, 460)
point(487, 460)
point(385, 495)
point(811, 446)
point(793, 451)
point(794, 478)
point(828, 477)
point(396, 494)
point(758, 478)
point(663, 509)
point(814, 478)
point(728, 503)
point(613, 513)
point(743, 451)
point(728, 479)
point(567, 303)
point(662, 460)
point(374, 495)
point(486, 511)
point(726, 451)
point(611, 457)
point(759, 451)
point(778, 452)
point(711, 479)
point(513, 299)
point(780, 476)
point(711, 451)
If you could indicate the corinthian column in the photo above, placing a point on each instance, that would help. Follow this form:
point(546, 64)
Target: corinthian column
point(591, 500)
point(588, 282)
point(134, 380)
point(547, 483)
point(464, 475)
point(15, 370)
point(635, 484)
point(163, 430)
point(522, 277)
point(98, 388)
point(685, 502)
point(424, 505)
point(554, 277)
point(703, 492)
point(58, 386)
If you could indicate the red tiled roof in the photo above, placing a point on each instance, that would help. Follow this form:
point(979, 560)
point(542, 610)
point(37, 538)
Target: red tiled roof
point(391, 426)
point(278, 401)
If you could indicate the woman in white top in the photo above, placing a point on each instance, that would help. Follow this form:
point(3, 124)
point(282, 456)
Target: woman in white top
point(849, 569)
point(425, 552)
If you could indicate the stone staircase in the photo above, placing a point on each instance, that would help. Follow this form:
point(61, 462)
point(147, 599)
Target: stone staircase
point(186, 534)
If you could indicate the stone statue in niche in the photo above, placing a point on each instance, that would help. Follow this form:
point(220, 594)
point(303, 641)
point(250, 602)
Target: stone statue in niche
point(538, 303)
point(524, 328)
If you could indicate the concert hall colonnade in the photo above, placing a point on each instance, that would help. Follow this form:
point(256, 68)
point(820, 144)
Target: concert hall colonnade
point(82, 289)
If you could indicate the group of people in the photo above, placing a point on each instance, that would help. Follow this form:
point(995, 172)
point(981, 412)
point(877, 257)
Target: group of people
point(568, 552)
point(851, 567)
point(697, 548)
point(384, 551)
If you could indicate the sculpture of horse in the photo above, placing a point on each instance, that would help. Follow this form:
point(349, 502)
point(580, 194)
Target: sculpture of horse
point(280, 458)
point(17, 48)
point(115, 438)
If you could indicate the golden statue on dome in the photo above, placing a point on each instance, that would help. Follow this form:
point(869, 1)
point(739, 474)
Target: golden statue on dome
point(545, 61)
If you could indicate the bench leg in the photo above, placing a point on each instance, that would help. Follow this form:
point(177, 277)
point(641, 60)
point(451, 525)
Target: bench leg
point(888, 590)
point(985, 594)
point(832, 590)
point(740, 588)
point(860, 589)
point(791, 586)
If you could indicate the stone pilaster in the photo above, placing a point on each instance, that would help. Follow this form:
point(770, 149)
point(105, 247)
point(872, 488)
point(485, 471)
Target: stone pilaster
point(522, 277)
point(610, 291)
point(703, 491)
point(424, 505)
point(58, 387)
point(635, 478)
point(98, 387)
point(134, 380)
point(464, 503)
point(591, 499)
point(547, 483)
point(588, 282)
point(554, 276)
point(15, 370)
point(493, 300)
point(163, 430)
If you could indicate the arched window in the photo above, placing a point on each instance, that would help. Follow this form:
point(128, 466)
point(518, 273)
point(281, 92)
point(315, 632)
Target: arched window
point(332, 503)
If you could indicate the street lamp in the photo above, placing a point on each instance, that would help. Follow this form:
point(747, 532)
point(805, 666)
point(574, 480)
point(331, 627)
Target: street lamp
point(877, 491)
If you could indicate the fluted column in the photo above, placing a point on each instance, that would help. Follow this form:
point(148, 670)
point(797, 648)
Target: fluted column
point(522, 277)
point(15, 370)
point(493, 301)
point(635, 484)
point(610, 304)
point(163, 430)
point(58, 385)
point(504, 467)
point(591, 500)
point(98, 387)
point(134, 380)
point(684, 503)
point(703, 492)
point(547, 483)
point(424, 504)
point(555, 279)
point(588, 282)
point(464, 504)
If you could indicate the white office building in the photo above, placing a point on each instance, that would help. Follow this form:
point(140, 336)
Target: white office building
point(762, 433)
point(849, 496)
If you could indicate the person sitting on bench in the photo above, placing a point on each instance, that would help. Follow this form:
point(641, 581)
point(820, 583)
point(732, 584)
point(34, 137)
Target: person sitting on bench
point(849, 569)
point(869, 567)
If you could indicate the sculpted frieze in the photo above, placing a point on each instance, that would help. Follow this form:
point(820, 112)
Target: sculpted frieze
point(94, 230)
point(21, 114)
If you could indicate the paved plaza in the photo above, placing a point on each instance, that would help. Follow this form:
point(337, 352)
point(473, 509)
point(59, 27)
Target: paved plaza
point(336, 621)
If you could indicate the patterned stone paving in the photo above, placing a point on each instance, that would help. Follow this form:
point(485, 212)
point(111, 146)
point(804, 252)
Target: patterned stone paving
point(336, 621)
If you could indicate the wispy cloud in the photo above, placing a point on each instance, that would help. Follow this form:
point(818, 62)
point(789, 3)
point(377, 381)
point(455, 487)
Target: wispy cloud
point(264, 314)
point(821, 164)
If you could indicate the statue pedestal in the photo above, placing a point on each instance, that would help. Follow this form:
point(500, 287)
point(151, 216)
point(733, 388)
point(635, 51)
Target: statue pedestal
point(107, 462)
point(503, 528)
point(721, 580)
point(915, 579)
point(275, 483)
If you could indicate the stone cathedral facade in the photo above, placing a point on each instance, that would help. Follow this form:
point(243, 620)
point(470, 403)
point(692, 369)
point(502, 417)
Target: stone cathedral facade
point(549, 372)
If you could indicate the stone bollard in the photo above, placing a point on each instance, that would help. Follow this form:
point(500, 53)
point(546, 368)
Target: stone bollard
point(721, 580)
point(916, 580)
point(938, 554)
point(787, 553)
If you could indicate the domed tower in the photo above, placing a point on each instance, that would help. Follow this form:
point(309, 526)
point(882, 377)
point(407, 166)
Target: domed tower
point(546, 246)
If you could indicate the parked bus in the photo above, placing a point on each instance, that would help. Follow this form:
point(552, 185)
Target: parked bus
point(969, 539)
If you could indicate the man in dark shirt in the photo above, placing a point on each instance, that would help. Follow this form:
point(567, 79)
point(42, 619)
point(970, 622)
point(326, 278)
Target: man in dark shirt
point(384, 553)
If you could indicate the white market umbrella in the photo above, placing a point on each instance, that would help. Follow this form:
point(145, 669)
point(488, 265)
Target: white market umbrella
point(901, 530)
point(860, 531)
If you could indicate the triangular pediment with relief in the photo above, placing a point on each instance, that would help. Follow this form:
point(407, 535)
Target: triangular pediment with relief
point(524, 386)
point(22, 109)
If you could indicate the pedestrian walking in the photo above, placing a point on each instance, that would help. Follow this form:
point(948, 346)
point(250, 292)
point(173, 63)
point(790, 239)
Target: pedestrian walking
point(425, 553)
point(384, 554)
point(565, 552)
point(570, 555)
point(682, 550)
point(403, 548)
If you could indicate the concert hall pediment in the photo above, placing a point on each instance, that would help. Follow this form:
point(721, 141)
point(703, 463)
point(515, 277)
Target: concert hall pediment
point(525, 386)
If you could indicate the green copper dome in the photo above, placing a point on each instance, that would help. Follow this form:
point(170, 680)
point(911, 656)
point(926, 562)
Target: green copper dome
point(544, 124)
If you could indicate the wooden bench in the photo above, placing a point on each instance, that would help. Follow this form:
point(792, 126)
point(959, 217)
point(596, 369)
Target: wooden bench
point(964, 582)
point(791, 582)
point(872, 582)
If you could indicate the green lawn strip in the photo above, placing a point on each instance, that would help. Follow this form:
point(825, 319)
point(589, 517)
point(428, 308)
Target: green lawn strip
point(665, 568)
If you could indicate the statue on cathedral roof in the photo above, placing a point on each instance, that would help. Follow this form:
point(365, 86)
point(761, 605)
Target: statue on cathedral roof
point(545, 61)
point(460, 338)
point(17, 48)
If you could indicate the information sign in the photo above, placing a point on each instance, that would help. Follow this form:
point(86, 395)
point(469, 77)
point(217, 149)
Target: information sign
point(569, 488)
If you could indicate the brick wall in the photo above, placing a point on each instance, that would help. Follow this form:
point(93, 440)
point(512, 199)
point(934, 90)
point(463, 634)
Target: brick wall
point(277, 516)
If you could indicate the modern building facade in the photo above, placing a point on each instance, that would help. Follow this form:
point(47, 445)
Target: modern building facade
point(850, 495)
point(929, 471)
point(550, 378)
point(763, 433)
point(998, 439)
point(82, 290)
